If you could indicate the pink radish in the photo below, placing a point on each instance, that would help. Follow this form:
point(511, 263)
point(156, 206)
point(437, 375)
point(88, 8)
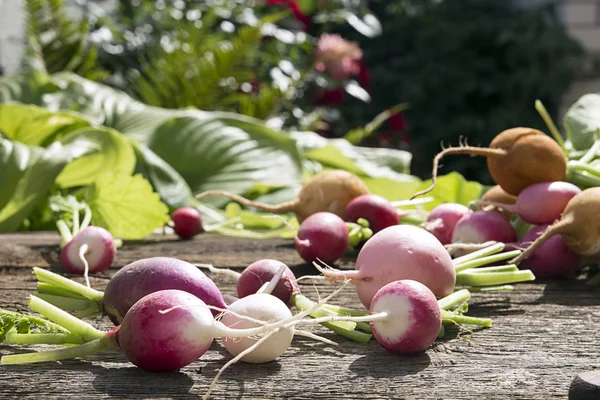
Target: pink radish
point(187, 222)
point(396, 253)
point(443, 218)
point(255, 275)
point(322, 236)
point(541, 203)
point(377, 210)
point(91, 250)
point(553, 259)
point(484, 226)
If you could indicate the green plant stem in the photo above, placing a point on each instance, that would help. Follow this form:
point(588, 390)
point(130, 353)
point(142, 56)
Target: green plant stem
point(591, 153)
point(582, 180)
point(442, 332)
point(93, 347)
point(303, 303)
point(364, 327)
point(87, 218)
point(49, 288)
point(68, 284)
point(462, 319)
point(486, 270)
point(488, 251)
point(458, 297)
point(499, 288)
point(32, 319)
point(43, 338)
point(64, 231)
point(578, 166)
point(64, 319)
point(539, 106)
point(486, 260)
point(339, 310)
point(76, 220)
point(493, 278)
point(66, 303)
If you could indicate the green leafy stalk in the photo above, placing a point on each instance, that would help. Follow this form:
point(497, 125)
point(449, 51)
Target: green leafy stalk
point(462, 319)
point(493, 249)
point(467, 278)
point(454, 299)
point(486, 260)
point(48, 288)
point(23, 324)
point(539, 106)
point(65, 303)
point(67, 284)
point(43, 338)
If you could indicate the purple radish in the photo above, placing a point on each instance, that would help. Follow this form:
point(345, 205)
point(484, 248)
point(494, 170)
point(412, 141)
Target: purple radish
point(255, 275)
point(442, 220)
point(396, 253)
point(413, 317)
point(553, 259)
point(187, 222)
point(484, 226)
point(91, 250)
point(541, 203)
point(322, 236)
point(374, 208)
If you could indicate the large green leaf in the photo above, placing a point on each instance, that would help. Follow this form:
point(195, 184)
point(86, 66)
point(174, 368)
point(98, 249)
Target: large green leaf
point(107, 151)
point(125, 205)
point(582, 121)
point(26, 175)
point(34, 125)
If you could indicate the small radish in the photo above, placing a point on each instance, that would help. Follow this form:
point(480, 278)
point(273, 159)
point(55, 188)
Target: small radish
point(377, 210)
point(553, 259)
point(413, 317)
point(442, 220)
point(484, 226)
point(540, 203)
point(578, 226)
point(516, 158)
point(255, 275)
point(136, 280)
point(91, 250)
point(322, 236)
point(254, 306)
point(187, 222)
point(396, 253)
point(497, 195)
point(329, 190)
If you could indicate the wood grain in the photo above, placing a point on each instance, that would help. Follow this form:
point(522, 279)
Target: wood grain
point(544, 334)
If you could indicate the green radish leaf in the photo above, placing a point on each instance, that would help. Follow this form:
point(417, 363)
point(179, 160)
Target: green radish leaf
point(34, 125)
point(111, 152)
point(27, 174)
point(125, 205)
point(582, 121)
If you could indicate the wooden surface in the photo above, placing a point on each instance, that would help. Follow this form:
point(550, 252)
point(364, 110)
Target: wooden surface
point(543, 335)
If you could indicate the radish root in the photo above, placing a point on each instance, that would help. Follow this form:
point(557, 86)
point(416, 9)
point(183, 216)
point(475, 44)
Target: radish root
point(552, 230)
point(86, 267)
point(462, 149)
point(278, 208)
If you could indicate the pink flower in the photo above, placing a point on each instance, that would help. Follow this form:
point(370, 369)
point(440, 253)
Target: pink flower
point(339, 57)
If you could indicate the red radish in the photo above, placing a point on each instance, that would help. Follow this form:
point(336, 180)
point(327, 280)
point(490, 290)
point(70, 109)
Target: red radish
point(442, 220)
point(322, 236)
point(578, 226)
point(551, 260)
point(541, 203)
point(253, 306)
point(329, 190)
point(138, 279)
point(255, 275)
point(516, 158)
point(413, 317)
point(374, 208)
point(91, 250)
point(187, 222)
point(484, 226)
point(396, 253)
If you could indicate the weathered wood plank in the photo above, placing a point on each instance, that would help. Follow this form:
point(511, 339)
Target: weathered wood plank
point(543, 335)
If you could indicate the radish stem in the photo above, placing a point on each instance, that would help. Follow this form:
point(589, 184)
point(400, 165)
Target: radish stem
point(539, 106)
point(68, 284)
point(43, 338)
point(467, 278)
point(486, 260)
point(462, 319)
point(66, 303)
point(454, 299)
point(486, 251)
point(48, 288)
point(64, 231)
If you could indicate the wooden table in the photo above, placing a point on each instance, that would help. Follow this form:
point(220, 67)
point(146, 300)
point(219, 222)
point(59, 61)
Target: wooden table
point(543, 335)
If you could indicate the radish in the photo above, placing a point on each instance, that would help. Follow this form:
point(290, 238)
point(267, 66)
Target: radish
point(484, 226)
point(329, 190)
point(377, 210)
point(260, 272)
point(131, 283)
point(187, 222)
point(553, 259)
point(442, 220)
point(497, 195)
point(516, 159)
point(91, 250)
point(540, 203)
point(409, 252)
point(322, 236)
point(578, 226)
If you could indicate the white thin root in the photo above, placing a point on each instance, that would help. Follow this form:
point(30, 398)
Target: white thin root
point(463, 249)
point(406, 203)
point(315, 337)
point(224, 271)
point(318, 277)
point(268, 287)
point(86, 267)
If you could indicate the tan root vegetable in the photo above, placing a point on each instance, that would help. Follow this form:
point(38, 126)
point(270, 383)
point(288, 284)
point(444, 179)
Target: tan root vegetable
point(579, 226)
point(516, 158)
point(497, 195)
point(329, 191)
